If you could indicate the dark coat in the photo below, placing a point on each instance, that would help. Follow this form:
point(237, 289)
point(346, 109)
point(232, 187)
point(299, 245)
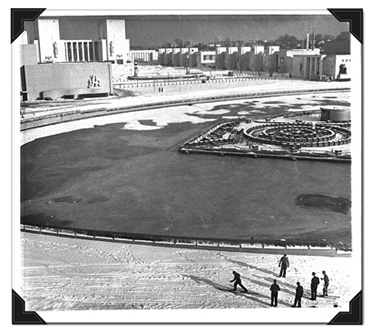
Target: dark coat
point(236, 278)
point(314, 281)
point(284, 262)
point(274, 288)
point(299, 291)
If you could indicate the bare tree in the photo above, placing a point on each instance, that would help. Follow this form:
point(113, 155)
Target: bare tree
point(178, 42)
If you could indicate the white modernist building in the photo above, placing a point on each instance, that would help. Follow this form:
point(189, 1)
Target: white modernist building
point(79, 39)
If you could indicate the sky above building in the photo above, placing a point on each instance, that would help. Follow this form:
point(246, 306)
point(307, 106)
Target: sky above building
point(155, 30)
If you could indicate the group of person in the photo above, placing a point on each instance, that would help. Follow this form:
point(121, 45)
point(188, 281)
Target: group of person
point(275, 288)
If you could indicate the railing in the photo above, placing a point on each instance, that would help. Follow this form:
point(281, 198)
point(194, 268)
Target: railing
point(172, 81)
point(240, 245)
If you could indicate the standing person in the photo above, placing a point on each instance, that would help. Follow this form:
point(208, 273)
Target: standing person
point(274, 293)
point(314, 286)
point(238, 281)
point(326, 283)
point(283, 264)
point(298, 296)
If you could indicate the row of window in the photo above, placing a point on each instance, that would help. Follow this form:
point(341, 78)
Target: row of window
point(81, 51)
point(209, 57)
point(140, 54)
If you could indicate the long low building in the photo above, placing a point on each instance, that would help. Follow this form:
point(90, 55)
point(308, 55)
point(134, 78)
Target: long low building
point(308, 64)
point(143, 56)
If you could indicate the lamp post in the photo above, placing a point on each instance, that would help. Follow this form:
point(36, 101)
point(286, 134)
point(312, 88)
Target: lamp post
point(188, 62)
point(136, 71)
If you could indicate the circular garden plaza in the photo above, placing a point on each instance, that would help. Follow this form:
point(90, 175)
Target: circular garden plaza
point(324, 136)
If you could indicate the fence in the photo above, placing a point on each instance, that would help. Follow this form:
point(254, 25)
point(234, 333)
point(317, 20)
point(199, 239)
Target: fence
point(236, 245)
point(175, 82)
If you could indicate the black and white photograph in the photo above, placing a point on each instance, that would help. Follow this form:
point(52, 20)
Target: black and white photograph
point(193, 166)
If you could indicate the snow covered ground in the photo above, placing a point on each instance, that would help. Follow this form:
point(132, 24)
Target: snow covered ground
point(71, 274)
point(161, 117)
point(172, 93)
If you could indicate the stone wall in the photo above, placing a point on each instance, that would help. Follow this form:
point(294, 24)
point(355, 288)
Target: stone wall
point(59, 76)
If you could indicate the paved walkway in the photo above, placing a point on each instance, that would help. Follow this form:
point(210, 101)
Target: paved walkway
point(35, 109)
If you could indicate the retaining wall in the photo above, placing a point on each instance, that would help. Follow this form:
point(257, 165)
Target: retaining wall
point(36, 79)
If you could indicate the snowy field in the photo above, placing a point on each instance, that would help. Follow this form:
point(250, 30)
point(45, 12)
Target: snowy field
point(70, 274)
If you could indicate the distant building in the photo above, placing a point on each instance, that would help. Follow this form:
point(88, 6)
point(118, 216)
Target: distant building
point(79, 39)
point(191, 57)
point(282, 62)
point(307, 66)
point(220, 57)
point(71, 56)
point(337, 59)
point(168, 57)
point(243, 59)
point(176, 54)
point(206, 58)
point(303, 52)
point(231, 58)
point(273, 48)
point(337, 66)
point(143, 56)
point(296, 62)
point(184, 56)
point(258, 49)
point(256, 63)
point(258, 59)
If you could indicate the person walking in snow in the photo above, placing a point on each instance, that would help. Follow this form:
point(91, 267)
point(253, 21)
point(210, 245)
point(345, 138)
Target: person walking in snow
point(314, 286)
point(237, 281)
point(298, 296)
point(283, 264)
point(326, 283)
point(274, 293)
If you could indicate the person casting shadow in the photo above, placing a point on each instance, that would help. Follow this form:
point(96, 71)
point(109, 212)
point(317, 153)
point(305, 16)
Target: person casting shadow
point(237, 281)
point(274, 293)
point(326, 283)
point(283, 264)
point(314, 286)
point(298, 296)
